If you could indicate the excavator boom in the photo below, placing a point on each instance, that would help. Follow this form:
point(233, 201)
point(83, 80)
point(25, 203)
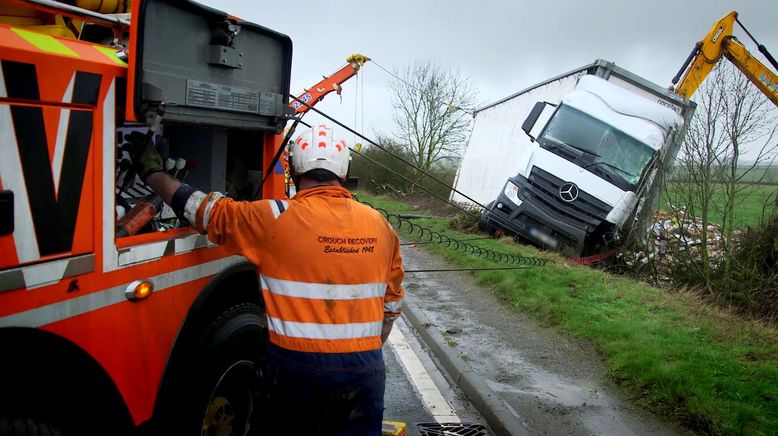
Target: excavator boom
point(757, 72)
point(718, 43)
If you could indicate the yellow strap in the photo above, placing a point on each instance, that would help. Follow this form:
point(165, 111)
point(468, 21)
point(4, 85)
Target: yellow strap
point(45, 43)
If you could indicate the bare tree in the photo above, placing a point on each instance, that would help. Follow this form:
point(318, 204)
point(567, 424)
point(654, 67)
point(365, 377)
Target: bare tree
point(732, 119)
point(433, 111)
point(749, 121)
point(693, 195)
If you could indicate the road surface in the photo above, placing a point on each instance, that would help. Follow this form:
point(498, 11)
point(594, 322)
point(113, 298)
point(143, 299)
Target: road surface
point(416, 391)
point(553, 384)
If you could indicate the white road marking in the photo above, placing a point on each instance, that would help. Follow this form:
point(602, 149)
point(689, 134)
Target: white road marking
point(433, 400)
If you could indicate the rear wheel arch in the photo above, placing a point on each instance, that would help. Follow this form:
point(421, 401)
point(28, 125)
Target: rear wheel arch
point(48, 378)
point(236, 285)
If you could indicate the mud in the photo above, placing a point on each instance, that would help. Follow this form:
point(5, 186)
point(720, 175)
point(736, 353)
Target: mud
point(555, 384)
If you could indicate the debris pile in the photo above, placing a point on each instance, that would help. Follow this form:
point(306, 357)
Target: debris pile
point(675, 233)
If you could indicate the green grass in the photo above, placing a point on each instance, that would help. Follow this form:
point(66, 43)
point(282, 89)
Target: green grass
point(750, 204)
point(670, 352)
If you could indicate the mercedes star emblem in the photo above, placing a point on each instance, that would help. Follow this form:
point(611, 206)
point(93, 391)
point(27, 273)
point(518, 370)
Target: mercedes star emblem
point(568, 192)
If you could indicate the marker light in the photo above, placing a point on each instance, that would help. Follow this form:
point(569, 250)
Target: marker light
point(139, 290)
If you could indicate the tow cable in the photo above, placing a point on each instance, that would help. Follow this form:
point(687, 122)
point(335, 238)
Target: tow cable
point(435, 237)
point(427, 235)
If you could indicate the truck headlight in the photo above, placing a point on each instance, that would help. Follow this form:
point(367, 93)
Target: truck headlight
point(512, 192)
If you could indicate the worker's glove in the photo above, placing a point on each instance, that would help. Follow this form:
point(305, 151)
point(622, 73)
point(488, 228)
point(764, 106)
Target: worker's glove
point(150, 162)
point(146, 160)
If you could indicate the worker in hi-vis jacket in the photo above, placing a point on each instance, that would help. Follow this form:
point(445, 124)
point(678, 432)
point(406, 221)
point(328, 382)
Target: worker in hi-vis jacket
point(331, 277)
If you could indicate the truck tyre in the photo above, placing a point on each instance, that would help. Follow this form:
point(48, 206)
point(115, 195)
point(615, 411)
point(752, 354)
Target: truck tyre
point(22, 426)
point(230, 354)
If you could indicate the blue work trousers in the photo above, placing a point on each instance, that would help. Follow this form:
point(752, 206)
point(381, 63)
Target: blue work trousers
point(324, 394)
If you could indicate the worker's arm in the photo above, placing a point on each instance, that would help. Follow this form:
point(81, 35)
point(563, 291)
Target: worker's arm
point(394, 291)
point(163, 185)
point(234, 224)
point(151, 172)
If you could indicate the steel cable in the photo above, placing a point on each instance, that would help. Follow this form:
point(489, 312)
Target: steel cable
point(400, 158)
point(458, 245)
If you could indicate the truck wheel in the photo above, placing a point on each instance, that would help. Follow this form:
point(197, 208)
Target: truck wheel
point(21, 426)
point(230, 353)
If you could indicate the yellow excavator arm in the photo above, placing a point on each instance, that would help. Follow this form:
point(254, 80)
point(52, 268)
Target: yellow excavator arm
point(757, 72)
point(718, 43)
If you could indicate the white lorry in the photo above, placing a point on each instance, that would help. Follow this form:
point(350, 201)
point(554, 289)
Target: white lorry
point(584, 167)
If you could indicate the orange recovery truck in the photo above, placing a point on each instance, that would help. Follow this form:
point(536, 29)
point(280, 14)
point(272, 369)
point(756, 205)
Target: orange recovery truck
point(104, 330)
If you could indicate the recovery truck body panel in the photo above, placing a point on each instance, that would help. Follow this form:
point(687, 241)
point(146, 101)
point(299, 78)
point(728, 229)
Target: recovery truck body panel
point(64, 275)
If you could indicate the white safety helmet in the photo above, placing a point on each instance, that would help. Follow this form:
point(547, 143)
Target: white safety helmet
point(317, 149)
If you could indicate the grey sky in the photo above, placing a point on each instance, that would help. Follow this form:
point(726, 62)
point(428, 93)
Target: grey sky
point(502, 46)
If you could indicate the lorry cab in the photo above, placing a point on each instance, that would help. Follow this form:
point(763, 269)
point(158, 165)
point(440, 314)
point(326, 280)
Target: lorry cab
point(589, 160)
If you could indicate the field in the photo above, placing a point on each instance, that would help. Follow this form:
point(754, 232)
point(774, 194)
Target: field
point(670, 351)
point(751, 205)
point(766, 175)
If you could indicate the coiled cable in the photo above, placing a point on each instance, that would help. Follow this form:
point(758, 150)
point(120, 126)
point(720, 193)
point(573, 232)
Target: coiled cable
point(425, 234)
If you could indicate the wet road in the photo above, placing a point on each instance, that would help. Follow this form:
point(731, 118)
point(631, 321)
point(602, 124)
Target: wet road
point(416, 391)
point(553, 383)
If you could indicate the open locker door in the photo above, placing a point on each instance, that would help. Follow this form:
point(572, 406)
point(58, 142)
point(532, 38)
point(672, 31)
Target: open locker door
point(207, 67)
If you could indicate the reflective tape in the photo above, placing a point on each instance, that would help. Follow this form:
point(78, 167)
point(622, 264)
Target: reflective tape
point(190, 209)
point(310, 330)
point(110, 53)
point(13, 180)
point(61, 310)
point(213, 197)
point(45, 42)
point(321, 291)
point(62, 130)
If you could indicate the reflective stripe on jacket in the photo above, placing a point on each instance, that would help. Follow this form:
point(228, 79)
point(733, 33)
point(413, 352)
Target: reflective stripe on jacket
point(330, 267)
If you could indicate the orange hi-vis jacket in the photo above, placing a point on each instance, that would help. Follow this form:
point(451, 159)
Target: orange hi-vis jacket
point(330, 267)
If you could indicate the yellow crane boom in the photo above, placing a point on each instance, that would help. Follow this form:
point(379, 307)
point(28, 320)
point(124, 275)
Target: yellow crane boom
point(718, 43)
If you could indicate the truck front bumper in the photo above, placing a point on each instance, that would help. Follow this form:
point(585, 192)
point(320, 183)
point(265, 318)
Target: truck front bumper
point(532, 223)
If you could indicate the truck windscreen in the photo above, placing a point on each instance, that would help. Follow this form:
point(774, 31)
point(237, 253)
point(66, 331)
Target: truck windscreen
point(596, 146)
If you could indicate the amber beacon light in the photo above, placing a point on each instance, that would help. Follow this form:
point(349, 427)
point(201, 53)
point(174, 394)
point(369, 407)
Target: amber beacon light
point(139, 290)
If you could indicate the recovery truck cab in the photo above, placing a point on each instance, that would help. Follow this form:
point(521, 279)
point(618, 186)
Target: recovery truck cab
point(102, 331)
point(593, 142)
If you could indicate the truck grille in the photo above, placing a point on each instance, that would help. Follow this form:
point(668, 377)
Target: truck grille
point(586, 210)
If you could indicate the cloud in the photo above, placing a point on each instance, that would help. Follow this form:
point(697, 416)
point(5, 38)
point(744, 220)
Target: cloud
point(502, 46)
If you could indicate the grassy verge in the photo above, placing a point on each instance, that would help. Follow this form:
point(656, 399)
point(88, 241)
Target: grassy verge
point(671, 352)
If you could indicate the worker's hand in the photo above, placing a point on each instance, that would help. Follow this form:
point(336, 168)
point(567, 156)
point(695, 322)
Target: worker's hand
point(386, 328)
point(146, 160)
point(150, 161)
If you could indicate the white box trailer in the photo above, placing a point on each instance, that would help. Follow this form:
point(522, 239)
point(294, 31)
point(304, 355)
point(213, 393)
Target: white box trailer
point(599, 132)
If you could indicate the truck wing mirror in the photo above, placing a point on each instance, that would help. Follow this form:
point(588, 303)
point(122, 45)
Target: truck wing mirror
point(530, 125)
point(208, 68)
point(6, 212)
